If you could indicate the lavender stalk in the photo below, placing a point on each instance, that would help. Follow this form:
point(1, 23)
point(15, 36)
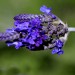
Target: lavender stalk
point(38, 32)
point(71, 29)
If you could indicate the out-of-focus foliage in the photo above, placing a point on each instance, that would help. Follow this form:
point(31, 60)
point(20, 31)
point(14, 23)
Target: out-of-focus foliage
point(25, 62)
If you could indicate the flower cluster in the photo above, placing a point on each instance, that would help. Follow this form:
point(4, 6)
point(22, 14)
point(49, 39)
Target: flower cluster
point(58, 47)
point(33, 35)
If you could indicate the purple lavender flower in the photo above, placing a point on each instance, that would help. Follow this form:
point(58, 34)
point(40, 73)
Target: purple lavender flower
point(35, 35)
point(45, 31)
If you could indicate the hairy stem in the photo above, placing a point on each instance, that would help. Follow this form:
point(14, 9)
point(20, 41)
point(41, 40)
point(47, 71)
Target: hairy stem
point(71, 29)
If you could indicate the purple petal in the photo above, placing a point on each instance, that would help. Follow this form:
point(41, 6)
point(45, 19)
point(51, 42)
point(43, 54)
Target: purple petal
point(17, 44)
point(23, 26)
point(59, 43)
point(54, 51)
point(9, 44)
point(60, 52)
point(38, 42)
point(35, 21)
point(57, 51)
point(45, 9)
point(45, 37)
point(16, 23)
point(10, 30)
point(31, 41)
point(53, 16)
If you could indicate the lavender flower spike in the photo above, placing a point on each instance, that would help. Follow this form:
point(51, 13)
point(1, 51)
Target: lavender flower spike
point(38, 32)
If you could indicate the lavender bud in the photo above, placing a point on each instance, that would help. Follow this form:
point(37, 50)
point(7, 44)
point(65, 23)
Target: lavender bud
point(9, 36)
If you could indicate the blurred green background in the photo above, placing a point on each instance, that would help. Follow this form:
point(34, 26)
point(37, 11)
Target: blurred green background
point(25, 62)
